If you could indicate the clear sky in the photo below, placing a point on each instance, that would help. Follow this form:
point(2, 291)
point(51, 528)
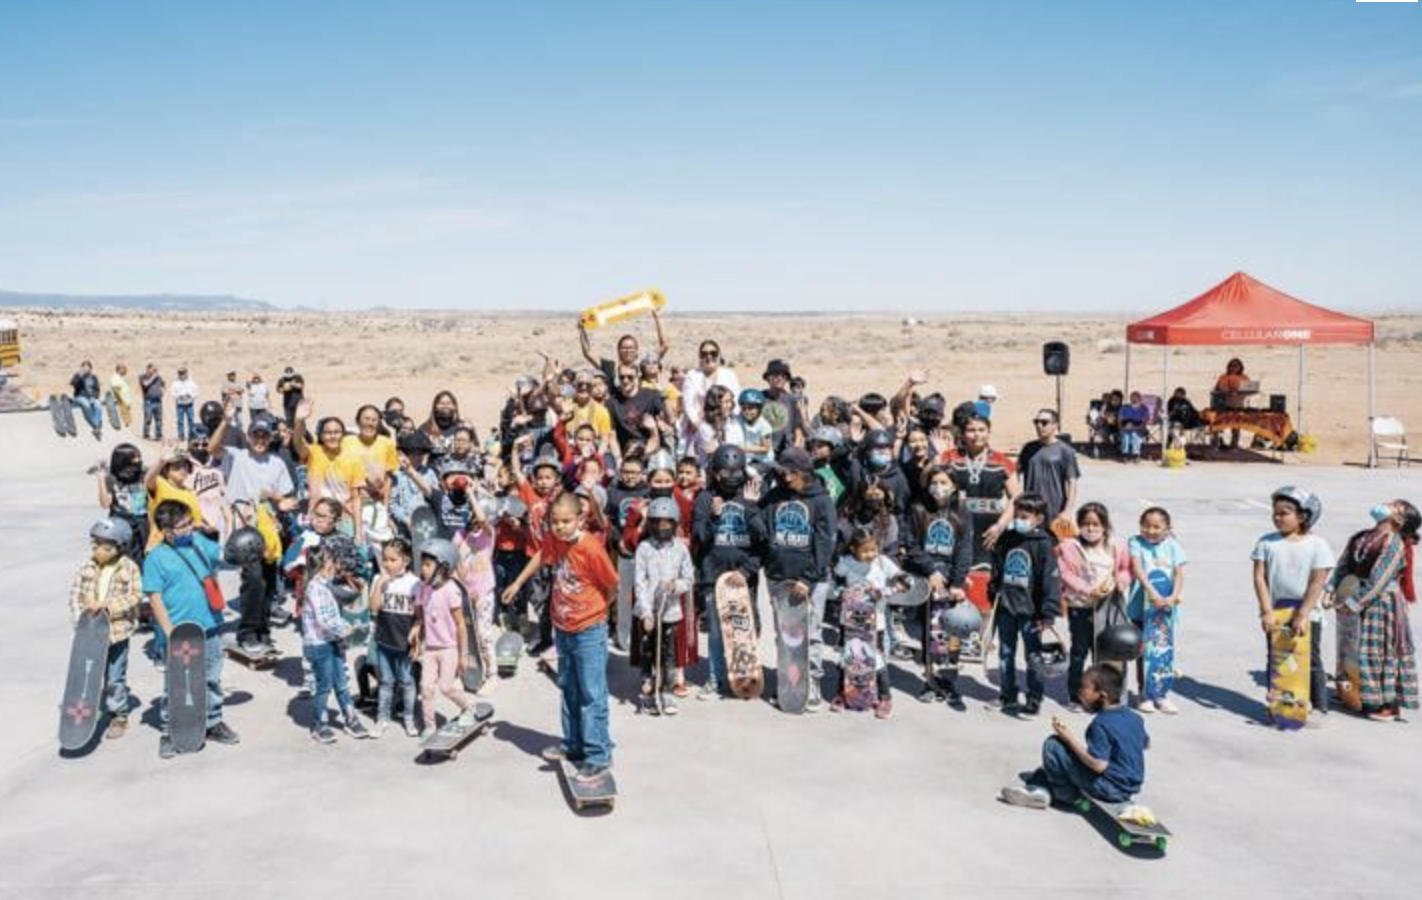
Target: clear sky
point(828, 155)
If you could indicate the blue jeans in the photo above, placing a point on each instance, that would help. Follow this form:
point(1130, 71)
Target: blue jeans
point(1068, 777)
point(212, 652)
point(394, 666)
point(153, 416)
point(93, 413)
point(116, 694)
point(185, 420)
point(582, 677)
point(1009, 627)
point(717, 676)
point(328, 670)
point(1131, 442)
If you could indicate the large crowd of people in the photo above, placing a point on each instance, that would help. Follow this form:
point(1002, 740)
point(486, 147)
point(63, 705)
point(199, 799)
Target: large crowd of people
point(629, 474)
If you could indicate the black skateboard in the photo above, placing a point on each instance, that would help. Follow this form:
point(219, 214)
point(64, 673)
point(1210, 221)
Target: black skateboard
point(56, 415)
point(265, 658)
point(449, 740)
point(602, 792)
point(1128, 832)
point(424, 526)
point(84, 687)
point(66, 414)
point(186, 683)
point(474, 673)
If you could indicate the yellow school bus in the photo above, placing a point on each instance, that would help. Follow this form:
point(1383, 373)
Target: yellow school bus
point(9, 343)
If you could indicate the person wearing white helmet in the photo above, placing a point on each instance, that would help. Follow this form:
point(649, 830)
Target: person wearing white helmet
point(1291, 569)
point(663, 583)
point(110, 582)
point(987, 396)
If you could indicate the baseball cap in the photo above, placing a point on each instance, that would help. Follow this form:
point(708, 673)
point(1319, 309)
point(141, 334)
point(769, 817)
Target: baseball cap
point(261, 423)
point(794, 459)
point(987, 392)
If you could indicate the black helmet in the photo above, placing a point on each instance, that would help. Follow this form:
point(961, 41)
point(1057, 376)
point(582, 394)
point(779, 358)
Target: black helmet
point(1119, 643)
point(728, 457)
point(245, 545)
point(879, 439)
point(210, 414)
point(414, 442)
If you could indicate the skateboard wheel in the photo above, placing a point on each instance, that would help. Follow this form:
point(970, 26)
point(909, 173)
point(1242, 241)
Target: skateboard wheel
point(1125, 840)
point(1160, 843)
point(1083, 806)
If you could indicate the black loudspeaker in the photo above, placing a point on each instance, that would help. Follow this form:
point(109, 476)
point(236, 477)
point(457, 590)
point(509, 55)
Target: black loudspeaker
point(1056, 358)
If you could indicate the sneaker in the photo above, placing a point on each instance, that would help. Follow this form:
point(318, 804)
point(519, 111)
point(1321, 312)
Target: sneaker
point(322, 734)
point(1383, 715)
point(709, 691)
point(815, 703)
point(378, 731)
point(588, 774)
point(669, 704)
point(554, 753)
point(1028, 797)
point(428, 732)
point(1011, 708)
point(1167, 706)
point(1145, 706)
point(681, 690)
point(955, 701)
point(411, 729)
point(221, 733)
point(1032, 707)
point(166, 750)
point(355, 727)
point(118, 727)
point(253, 647)
point(884, 708)
point(928, 695)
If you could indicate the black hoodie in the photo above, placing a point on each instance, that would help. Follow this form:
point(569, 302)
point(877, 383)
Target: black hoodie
point(939, 541)
point(797, 533)
point(1024, 572)
point(723, 543)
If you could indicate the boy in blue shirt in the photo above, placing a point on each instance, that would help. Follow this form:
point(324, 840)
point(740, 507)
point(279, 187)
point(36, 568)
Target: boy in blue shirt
point(1110, 766)
point(172, 579)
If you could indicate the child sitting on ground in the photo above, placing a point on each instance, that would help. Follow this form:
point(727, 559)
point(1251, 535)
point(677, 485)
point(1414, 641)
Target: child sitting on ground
point(1110, 766)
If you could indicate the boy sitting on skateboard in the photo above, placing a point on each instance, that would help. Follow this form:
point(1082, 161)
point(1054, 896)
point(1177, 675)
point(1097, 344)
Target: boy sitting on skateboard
point(1110, 766)
point(110, 582)
point(584, 580)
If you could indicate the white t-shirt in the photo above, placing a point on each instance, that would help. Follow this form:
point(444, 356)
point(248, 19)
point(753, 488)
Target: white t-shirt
point(1289, 564)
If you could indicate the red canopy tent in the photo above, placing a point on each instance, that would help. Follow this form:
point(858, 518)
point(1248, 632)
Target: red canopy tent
point(1243, 310)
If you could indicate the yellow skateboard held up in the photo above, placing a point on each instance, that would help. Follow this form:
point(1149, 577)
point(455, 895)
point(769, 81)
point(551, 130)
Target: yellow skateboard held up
point(625, 308)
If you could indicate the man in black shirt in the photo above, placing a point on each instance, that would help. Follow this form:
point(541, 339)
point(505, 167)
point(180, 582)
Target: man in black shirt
point(636, 411)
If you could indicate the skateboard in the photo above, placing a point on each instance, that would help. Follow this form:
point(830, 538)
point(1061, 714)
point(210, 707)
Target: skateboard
point(742, 649)
point(602, 792)
point(66, 415)
point(507, 650)
point(1346, 676)
point(991, 673)
point(186, 683)
point(473, 677)
point(857, 659)
point(111, 407)
point(1288, 669)
point(1128, 832)
point(792, 625)
point(626, 584)
point(56, 415)
point(449, 740)
point(84, 686)
point(1159, 640)
point(621, 309)
point(423, 526)
point(908, 591)
point(262, 659)
point(659, 607)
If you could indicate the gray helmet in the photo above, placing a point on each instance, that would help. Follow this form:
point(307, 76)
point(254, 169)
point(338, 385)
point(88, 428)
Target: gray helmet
point(454, 466)
point(441, 551)
point(664, 508)
point(512, 507)
point(246, 545)
point(962, 619)
point(488, 505)
point(661, 461)
point(116, 531)
point(1310, 507)
point(826, 434)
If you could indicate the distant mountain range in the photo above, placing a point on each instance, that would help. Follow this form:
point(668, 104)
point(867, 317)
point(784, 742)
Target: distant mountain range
point(148, 302)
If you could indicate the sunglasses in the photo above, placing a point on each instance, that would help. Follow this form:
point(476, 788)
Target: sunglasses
point(1042, 422)
point(626, 377)
point(710, 354)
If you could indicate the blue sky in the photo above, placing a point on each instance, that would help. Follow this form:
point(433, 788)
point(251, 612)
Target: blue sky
point(820, 155)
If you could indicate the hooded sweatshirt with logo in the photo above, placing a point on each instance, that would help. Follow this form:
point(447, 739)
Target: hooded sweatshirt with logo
point(1024, 572)
point(797, 533)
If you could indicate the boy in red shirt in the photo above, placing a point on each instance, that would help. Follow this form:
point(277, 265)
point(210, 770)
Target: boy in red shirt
point(583, 581)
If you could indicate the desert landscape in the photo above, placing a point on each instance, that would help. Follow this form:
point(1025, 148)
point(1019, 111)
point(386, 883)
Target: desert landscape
point(358, 357)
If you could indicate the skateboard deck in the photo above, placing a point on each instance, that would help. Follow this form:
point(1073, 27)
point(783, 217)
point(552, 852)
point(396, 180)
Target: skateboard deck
point(473, 677)
point(56, 415)
point(112, 409)
point(976, 587)
point(1288, 670)
point(1159, 640)
point(622, 309)
point(449, 740)
point(861, 691)
point(626, 584)
point(264, 659)
point(602, 792)
point(792, 625)
point(84, 686)
point(742, 649)
point(1128, 832)
point(186, 683)
point(423, 526)
point(507, 650)
point(1346, 677)
point(66, 413)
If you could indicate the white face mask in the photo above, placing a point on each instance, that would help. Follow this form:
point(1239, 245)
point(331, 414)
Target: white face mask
point(1021, 526)
point(940, 492)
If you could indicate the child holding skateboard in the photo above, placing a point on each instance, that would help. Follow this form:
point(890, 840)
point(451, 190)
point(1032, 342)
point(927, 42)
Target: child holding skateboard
point(1158, 567)
point(1109, 765)
point(324, 631)
point(1028, 591)
point(584, 581)
point(475, 544)
point(110, 582)
point(1291, 568)
point(863, 566)
point(1095, 567)
point(440, 635)
point(392, 602)
point(721, 535)
point(939, 541)
point(664, 577)
point(176, 577)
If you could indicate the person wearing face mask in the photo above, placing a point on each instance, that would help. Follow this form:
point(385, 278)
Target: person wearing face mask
point(721, 533)
point(452, 497)
point(1028, 587)
point(939, 544)
point(444, 417)
point(123, 495)
point(209, 483)
point(393, 416)
point(1095, 566)
point(664, 575)
point(1380, 560)
point(877, 461)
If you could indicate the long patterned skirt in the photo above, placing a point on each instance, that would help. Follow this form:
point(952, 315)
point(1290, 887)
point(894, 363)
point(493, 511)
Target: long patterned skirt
point(1387, 662)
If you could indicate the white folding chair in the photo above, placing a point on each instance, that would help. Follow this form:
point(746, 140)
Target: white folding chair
point(1390, 435)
